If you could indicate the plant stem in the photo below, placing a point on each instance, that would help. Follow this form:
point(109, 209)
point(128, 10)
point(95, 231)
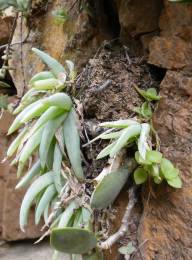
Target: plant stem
point(124, 224)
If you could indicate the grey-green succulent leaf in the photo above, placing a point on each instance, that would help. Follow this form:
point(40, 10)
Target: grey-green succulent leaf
point(38, 185)
point(34, 171)
point(109, 187)
point(53, 64)
point(46, 198)
point(128, 133)
point(72, 143)
point(47, 137)
point(73, 240)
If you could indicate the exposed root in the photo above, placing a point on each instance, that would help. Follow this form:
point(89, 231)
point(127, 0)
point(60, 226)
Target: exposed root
point(125, 222)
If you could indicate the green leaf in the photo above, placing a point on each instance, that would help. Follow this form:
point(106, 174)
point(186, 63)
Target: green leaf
point(140, 176)
point(154, 156)
point(67, 214)
point(175, 182)
point(119, 123)
point(109, 187)
point(34, 171)
point(48, 133)
point(41, 76)
point(168, 170)
point(127, 134)
point(38, 185)
point(149, 95)
point(73, 240)
point(72, 143)
point(142, 142)
point(44, 201)
point(106, 151)
point(127, 250)
point(57, 168)
point(146, 110)
point(139, 159)
point(53, 64)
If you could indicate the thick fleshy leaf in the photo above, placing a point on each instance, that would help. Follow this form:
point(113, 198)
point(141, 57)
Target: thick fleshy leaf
point(60, 100)
point(119, 123)
point(57, 160)
point(109, 187)
point(67, 214)
point(47, 136)
point(73, 240)
point(72, 143)
point(53, 64)
point(15, 144)
point(140, 176)
point(44, 201)
point(175, 182)
point(106, 151)
point(41, 76)
point(34, 171)
point(18, 120)
point(127, 134)
point(142, 142)
point(28, 149)
point(38, 185)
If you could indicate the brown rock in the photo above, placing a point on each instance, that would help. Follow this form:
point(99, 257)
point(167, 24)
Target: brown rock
point(133, 18)
point(5, 29)
point(170, 53)
point(10, 199)
point(11, 209)
point(166, 221)
point(172, 50)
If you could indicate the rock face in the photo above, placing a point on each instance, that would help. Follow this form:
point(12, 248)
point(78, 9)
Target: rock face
point(173, 49)
point(10, 199)
point(166, 221)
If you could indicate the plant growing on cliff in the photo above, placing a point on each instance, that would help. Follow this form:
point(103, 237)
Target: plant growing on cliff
point(48, 148)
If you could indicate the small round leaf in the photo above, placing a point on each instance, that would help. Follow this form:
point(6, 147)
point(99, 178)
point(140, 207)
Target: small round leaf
point(140, 176)
point(175, 182)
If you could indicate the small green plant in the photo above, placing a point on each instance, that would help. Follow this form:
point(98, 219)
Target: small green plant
point(47, 119)
point(47, 125)
point(152, 164)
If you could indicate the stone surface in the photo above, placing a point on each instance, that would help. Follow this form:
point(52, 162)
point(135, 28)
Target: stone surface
point(10, 199)
point(166, 222)
point(5, 26)
point(77, 39)
point(173, 50)
point(133, 18)
point(28, 251)
point(170, 52)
